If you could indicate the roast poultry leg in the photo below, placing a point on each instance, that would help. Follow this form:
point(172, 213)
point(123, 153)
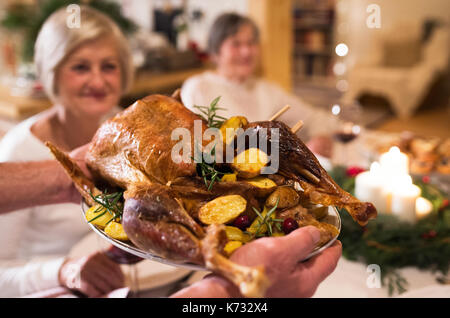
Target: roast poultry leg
point(81, 182)
point(252, 281)
point(297, 163)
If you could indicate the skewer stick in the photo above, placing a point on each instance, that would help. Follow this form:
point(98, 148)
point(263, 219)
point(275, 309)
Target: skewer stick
point(297, 126)
point(280, 112)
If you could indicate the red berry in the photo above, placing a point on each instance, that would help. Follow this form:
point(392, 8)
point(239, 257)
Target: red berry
point(444, 204)
point(426, 179)
point(289, 225)
point(242, 222)
point(429, 235)
point(353, 171)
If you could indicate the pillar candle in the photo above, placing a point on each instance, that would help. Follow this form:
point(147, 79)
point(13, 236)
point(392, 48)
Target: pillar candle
point(369, 187)
point(423, 207)
point(394, 162)
point(403, 199)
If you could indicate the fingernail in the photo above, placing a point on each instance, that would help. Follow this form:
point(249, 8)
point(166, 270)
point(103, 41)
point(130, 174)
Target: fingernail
point(315, 234)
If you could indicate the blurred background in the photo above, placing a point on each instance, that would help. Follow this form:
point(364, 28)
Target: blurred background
point(381, 67)
point(326, 51)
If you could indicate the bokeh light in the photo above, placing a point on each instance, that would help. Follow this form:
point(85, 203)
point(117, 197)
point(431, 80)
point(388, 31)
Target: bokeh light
point(341, 49)
point(336, 109)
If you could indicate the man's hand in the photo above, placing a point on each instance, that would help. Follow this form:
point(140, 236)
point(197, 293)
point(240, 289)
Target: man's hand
point(282, 259)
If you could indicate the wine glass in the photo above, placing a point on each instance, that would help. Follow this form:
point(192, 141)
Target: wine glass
point(122, 257)
point(348, 129)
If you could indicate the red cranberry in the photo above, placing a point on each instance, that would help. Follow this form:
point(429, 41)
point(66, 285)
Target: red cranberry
point(289, 225)
point(242, 222)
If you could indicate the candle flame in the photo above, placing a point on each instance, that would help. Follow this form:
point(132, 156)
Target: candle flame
point(375, 167)
point(394, 150)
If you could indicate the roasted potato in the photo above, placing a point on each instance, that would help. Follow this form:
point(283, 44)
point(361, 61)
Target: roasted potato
point(248, 164)
point(115, 230)
point(279, 180)
point(235, 234)
point(98, 216)
point(256, 227)
point(261, 182)
point(231, 246)
point(319, 211)
point(229, 177)
point(286, 196)
point(222, 210)
point(229, 127)
point(264, 186)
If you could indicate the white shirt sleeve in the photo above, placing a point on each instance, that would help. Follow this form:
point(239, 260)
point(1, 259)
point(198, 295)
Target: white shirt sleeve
point(188, 90)
point(19, 277)
point(199, 91)
point(202, 89)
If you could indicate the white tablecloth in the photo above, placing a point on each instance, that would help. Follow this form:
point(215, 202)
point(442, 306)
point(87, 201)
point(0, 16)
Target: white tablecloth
point(349, 280)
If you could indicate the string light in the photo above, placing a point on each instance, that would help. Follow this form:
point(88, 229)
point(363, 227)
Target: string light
point(342, 85)
point(341, 49)
point(336, 109)
point(339, 68)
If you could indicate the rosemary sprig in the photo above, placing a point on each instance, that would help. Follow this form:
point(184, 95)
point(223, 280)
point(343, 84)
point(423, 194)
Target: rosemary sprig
point(208, 170)
point(210, 114)
point(109, 203)
point(268, 221)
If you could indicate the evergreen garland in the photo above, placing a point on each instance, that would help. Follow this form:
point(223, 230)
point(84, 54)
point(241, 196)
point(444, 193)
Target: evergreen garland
point(393, 244)
point(30, 19)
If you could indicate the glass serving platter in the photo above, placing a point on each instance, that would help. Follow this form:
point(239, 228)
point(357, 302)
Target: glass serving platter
point(332, 218)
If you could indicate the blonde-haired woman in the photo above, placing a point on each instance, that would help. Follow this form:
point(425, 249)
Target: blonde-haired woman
point(84, 71)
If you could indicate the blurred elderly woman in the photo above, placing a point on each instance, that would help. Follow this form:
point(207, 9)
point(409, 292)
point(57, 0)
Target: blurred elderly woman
point(234, 46)
point(84, 71)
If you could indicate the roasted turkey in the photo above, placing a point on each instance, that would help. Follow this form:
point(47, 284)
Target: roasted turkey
point(133, 150)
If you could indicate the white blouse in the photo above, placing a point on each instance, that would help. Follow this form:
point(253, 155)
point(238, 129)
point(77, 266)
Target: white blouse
point(256, 99)
point(34, 240)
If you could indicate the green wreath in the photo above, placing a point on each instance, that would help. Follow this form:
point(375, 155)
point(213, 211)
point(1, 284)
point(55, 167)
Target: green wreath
point(393, 244)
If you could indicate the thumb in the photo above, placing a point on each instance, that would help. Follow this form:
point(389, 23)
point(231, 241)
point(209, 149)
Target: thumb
point(301, 242)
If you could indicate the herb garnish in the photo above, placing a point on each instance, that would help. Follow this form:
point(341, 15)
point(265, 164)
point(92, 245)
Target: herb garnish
point(268, 221)
point(208, 170)
point(109, 203)
point(210, 114)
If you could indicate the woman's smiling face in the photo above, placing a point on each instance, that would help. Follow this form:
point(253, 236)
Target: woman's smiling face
point(238, 55)
point(89, 81)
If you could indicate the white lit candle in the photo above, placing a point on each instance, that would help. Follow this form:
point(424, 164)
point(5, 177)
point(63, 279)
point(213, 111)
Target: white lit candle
point(403, 199)
point(394, 162)
point(423, 207)
point(369, 187)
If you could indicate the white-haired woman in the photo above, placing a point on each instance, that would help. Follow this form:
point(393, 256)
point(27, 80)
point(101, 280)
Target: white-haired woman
point(84, 71)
